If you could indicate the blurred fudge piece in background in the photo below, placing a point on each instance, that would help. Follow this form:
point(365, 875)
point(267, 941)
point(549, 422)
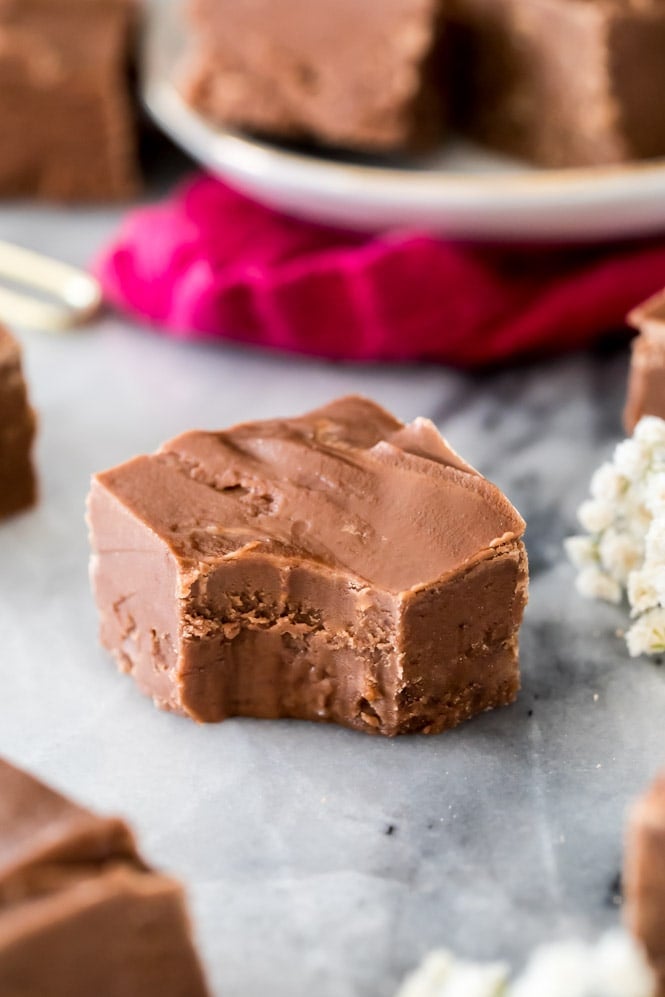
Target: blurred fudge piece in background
point(644, 876)
point(66, 118)
point(17, 431)
point(343, 73)
point(562, 82)
point(81, 915)
point(646, 381)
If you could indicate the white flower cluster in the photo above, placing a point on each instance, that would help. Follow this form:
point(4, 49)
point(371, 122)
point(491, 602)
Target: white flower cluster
point(614, 967)
point(624, 551)
point(443, 975)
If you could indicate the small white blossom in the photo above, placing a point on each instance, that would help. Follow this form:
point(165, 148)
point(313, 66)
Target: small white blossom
point(647, 634)
point(650, 432)
point(643, 590)
point(607, 483)
point(614, 967)
point(637, 515)
point(469, 980)
point(555, 970)
point(631, 459)
point(620, 553)
point(658, 574)
point(582, 551)
point(430, 977)
point(596, 515)
point(442, 975)
point(594, 583)
point(625, 549)
point(655, 541)
point(654, 493)
point(620, 968)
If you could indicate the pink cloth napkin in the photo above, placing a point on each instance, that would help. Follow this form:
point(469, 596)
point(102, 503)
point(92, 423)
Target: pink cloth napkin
point(210, 262)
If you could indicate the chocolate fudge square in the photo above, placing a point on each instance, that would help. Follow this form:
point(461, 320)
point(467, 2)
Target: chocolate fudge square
point(359, 75)
point(65, 114)
point(562, 82)
point(80, 912)
point(646, 380)
point(644, 876)
point(339, 567)
point(18, 488)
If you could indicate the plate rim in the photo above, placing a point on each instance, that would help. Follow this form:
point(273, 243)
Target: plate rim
point(577, 176)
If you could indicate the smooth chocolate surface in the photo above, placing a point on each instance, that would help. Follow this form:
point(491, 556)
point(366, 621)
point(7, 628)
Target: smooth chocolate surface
point(644, 876)
point(343, 73)
point(65, 113)
point(562, 82)
point(646, 380)
point(341, 566)
point(17, 430)
point(80, 913)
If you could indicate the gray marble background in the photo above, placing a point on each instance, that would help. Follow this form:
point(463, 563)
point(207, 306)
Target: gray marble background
point(320, 861)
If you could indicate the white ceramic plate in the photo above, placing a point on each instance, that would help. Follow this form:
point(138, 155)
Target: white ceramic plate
point(464, 192)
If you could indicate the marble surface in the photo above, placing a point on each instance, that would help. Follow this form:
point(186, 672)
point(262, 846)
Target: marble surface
point(321, 861)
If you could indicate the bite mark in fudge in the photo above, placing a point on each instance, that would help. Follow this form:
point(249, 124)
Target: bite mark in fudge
point(561, 82)
point(646, 379)
point(644, 876)
point(80, 913)
point(17, 430)
point(341, 566)
point(343, 73)
point(65, 113)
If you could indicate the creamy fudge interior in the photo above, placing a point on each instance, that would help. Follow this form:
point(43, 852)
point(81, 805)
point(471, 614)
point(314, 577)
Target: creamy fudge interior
point(341, 566)
point(80, 912)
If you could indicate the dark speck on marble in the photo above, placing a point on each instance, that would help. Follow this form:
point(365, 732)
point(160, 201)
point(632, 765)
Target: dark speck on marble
point(615, 891)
